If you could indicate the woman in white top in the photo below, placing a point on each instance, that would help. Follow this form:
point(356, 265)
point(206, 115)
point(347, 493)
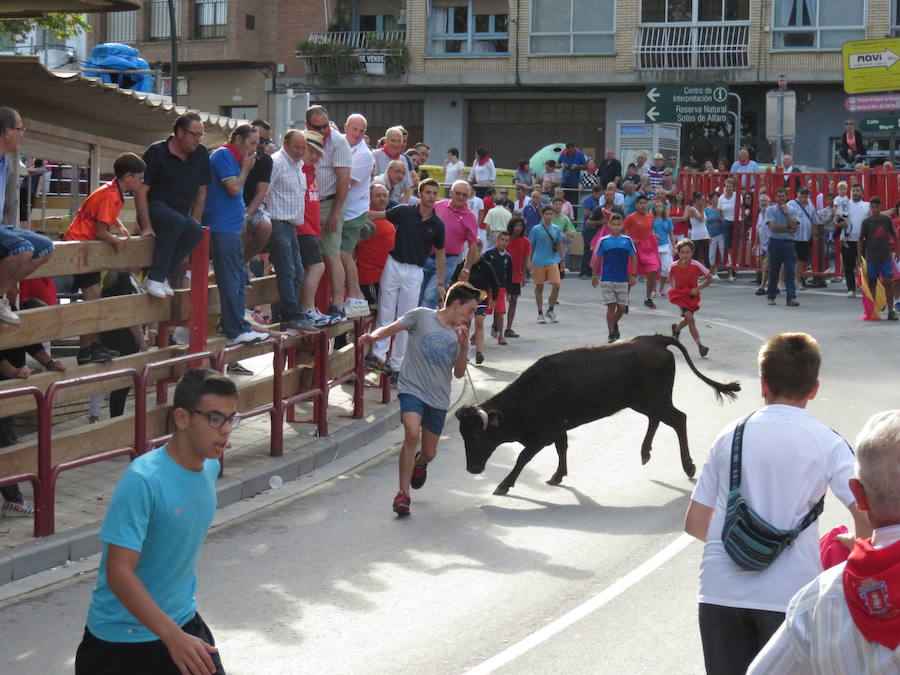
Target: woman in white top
point(453, 167)
point(483, 172)
point(698, 233)
point(728, 202)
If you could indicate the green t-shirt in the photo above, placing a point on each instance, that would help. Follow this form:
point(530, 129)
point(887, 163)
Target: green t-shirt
point(563, 223)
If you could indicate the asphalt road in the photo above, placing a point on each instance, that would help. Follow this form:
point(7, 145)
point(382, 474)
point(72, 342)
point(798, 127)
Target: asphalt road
point(593, 576)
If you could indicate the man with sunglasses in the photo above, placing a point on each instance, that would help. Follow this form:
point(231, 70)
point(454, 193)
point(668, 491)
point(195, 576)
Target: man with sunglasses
point(143, 614)
point(170, 204)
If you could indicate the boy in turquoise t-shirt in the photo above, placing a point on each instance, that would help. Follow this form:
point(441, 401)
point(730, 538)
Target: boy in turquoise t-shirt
point(143, 615)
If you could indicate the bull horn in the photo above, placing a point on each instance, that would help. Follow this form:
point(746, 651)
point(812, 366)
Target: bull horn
point(484, 417)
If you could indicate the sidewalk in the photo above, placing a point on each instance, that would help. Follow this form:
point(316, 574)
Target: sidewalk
point(83, 493)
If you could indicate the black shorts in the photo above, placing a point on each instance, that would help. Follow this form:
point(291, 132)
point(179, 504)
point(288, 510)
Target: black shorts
point(99, 657)
point(804, 251)
point(514, 289)
point(82, 281)
point(310, 253)
point(481, 310)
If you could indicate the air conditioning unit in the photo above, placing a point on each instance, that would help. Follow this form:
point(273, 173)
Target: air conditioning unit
point(401, 17)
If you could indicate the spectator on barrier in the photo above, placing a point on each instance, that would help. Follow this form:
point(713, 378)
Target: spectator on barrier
point(357, 208)
point(333, 178)
point(610, 169)
point(572, 162)
point(12, 366)
point(853, 146)
point(731, 226)
point(787, 461)
point(839, 622)
point(21, 251)
point(475, 203)
point(551, 178)
point(656, 173)
point(824, 238)
point(224, 214)
point(453, 167)
point(808, 220)
point(524, 177)
point(424, 152)
point(372, 252)
point(565, 206)
point(631, 176)
point(309, 235)
point(483, 173)
point(849, 219)
point(170, 204)
point(413, 160)
point(495, 222)
point(532, 212)
point(783, 222)
point(590, 176)
point(722, 165)
point(709, 167)
point(612, 198)
point(745, 165)
point(460, 230)
point(394, 178)
point(97, 217)
point(523, 197)
point(420, 232)
point(640, 165)
point(392, 151)
point(673, 165)
point(677, 208)
point(501, 198)
point(592, 223)
point(791, 179)
point(630, 196)
point(257, 224)
point(698, 233)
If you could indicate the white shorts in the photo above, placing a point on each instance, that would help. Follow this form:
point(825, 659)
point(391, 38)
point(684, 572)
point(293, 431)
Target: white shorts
point(614, 292)
point(665, 260)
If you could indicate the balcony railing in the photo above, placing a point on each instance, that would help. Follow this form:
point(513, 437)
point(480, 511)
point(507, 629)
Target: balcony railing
point(354, 52)
point(356, 39)
point(694, 47)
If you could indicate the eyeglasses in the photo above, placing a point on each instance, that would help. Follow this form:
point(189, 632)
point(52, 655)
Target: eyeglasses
point(318, 127)
point(196, 134)
point(217, 420)
point(22, 129)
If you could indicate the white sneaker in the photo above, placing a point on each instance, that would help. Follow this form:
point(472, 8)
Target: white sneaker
point(155, 288)
point(354, 307)
point(6, 313)
point(167, 287)
point(181, 335)
point(248, 338)
point(317, 319)
point(551, 314)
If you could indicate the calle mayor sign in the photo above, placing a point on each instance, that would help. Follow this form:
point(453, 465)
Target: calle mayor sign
point(683, 104)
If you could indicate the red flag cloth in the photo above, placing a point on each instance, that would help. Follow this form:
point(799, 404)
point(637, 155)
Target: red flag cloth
point(872, 591)
point(832, 551)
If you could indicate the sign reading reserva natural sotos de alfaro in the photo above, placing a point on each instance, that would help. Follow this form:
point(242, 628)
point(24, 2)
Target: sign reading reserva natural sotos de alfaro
point(688, 103)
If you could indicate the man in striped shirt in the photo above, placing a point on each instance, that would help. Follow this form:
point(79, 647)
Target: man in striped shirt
point(847, 620)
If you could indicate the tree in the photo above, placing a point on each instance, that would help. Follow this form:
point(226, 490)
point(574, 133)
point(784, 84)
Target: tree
point(61, 25)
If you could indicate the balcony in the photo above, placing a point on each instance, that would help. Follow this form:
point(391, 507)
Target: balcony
point(692, 47)
point(355, 53)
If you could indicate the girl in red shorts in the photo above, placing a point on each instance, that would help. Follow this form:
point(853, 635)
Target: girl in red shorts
point(684, 279)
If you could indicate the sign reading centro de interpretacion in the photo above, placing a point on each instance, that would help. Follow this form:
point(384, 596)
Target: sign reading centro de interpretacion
point(688, 103)
point(871, 65)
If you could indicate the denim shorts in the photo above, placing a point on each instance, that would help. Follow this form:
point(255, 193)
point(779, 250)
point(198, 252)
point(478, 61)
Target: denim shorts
point(885, 270)
point(14, 240)
point(432, 418)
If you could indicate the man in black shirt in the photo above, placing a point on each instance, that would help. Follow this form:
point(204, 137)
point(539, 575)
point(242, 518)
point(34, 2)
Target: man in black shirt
point(170, 205)
point(258, 225)
point(419, 230)
point(877, 241)
point(609, 168)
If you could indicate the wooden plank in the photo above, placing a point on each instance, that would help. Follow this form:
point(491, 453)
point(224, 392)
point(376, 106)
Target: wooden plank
point(79, 257)
point(341, 361)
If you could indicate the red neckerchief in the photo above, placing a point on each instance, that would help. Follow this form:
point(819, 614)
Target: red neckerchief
point(482, 162)
point(388, 152)
point(570, 152)
point(235, 153)
point(743, 163)
point(325, 134)
point(872, 591)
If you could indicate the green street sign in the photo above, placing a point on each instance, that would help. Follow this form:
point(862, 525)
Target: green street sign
point(879, 124)
point(701, 103)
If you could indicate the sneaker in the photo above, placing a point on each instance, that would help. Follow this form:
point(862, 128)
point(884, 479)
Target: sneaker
point(419, 476)
point(675, 332)
point(6, 313)
point(584, 276)
point(337, 314)
point(394, 375)
point(732, 279)
point(300, 325)
point(258, 317)
point(237, 369)
point(96, 353)
point(18, 509)
point(791, 302)
point(167, 288)
point(316, 318)
point(354, 307)
point(372, 362)
point(851, 294)
point(759, 291)
point(649, 304)
point(551, 314)
point(401, 504)
point(611, 338)
point(771, 301)
point(703, 349)
point(155, 288)
point(479, 358)
point(248, 275)
point(513, 334)
point(892, 315)
point(502, 341)
point(248, 338)
point(896, 308)
point(541, 318)
point(494, 331)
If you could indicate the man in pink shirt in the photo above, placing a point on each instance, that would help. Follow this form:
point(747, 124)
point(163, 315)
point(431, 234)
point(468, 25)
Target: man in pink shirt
point(460, 228)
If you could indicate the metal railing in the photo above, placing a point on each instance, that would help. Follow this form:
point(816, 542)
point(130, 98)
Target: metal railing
point(695, 47)
point(356, 39)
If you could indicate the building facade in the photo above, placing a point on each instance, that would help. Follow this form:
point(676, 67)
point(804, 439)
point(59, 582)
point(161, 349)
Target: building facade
point(515, 75)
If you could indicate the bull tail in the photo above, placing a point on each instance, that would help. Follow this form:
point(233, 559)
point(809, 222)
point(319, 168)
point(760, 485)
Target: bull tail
point(728, 390)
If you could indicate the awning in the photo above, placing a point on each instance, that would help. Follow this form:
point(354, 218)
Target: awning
point(66, 114)
point(25, 9)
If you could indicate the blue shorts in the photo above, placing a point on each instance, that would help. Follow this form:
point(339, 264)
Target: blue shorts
point(432, 418)
point(14, 240)
point(885, 270)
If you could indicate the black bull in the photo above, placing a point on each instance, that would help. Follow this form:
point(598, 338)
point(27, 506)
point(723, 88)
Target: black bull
point(564, 390)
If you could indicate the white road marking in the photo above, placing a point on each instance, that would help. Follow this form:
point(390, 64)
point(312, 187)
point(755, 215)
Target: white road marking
point(583, 610)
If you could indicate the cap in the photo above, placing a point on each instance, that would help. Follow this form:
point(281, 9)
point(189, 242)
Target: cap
point(314, 138)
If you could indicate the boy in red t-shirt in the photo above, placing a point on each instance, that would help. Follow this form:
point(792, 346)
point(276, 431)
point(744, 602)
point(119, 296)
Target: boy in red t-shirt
point(95, 219)
point(519, 249)
point(684, 279)
point(372, 252)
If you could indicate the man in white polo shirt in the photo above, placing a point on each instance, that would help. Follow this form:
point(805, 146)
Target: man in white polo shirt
point(356, 210)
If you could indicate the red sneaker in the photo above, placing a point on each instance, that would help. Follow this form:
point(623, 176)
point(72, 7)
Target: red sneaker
point(419, 476)
point(401, 504)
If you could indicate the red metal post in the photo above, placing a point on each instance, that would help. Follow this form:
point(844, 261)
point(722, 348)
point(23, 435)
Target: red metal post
point(36, 479)
point(276, 415)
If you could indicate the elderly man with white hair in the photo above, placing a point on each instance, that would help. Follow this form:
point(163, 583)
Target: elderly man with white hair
point(847, 620)
point(394, 178)
point(356, 209)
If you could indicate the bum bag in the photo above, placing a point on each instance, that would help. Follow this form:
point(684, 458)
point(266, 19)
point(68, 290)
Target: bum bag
point(749, 539)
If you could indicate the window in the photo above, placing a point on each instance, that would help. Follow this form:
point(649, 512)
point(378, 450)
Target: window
point(121, 26)
point(242, 112)
point(159, 19)
point(818, 24)
point(895, 18)
point(165, 86)
point(210, 18)
point(469, 26)
point(573, 26)
point(377, 23)
point(692, 11)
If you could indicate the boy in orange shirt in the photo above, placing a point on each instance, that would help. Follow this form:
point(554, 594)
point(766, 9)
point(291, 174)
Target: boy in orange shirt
point(95, 218)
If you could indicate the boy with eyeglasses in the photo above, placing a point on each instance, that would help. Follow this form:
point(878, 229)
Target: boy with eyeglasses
point(143, 616)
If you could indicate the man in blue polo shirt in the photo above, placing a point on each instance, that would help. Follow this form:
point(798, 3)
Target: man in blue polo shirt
point(224, 213)
point(572, 161)
point(783, 224)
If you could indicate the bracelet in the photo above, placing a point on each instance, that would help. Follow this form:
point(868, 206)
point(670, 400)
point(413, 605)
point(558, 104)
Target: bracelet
point(466, 270)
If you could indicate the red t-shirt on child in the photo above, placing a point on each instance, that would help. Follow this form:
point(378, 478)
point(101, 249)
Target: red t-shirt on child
point(519, 248)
